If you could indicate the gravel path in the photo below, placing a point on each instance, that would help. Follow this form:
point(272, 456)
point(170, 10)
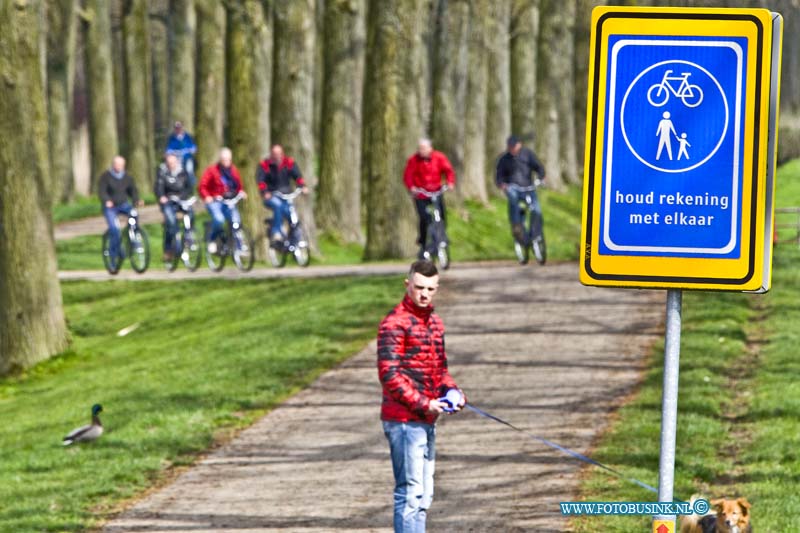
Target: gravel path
point(149, 214)
point(528, 344)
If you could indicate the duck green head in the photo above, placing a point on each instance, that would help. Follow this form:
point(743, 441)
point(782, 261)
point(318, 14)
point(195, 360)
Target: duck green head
point(96, 408)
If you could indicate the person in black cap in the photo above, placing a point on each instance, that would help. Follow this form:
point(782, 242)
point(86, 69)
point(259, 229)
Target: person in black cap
point(515, 167)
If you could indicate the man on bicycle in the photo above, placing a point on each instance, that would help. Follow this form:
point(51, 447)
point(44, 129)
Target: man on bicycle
point(425, 170)
point(515, 167)
point(221, 181)
point(172, 182)
point(118, 193)
point(276, 173)
point(182, 145)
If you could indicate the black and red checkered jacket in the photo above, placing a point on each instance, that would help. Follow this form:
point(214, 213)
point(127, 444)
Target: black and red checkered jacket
point(412, 364)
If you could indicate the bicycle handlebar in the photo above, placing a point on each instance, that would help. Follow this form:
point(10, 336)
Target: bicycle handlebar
point(235, 200)
point(536, 183)
point(183, 203)
point(289, 196)
point(430, 194)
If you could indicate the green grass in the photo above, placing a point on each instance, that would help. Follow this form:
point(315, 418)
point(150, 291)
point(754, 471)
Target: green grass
point(216, 355)
point(739, 403)
point(477, 232)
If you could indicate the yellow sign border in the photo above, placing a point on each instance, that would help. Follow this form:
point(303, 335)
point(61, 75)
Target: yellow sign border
point(745, 273)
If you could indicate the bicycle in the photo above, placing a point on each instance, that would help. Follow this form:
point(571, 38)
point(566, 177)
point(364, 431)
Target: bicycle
point(242, 248)
point(294, 241)
point(691, 95)
point(533, 234)
point(185, 245)
point(436, 244)
point(133, 243)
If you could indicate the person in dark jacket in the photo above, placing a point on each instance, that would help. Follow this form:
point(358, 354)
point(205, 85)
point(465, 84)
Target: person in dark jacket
point(276, 173)
point(515, 167)
point(412, 368)
point(118, 194)
point(172, 183)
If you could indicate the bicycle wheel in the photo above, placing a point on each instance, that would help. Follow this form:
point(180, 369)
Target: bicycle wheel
point(112, 263)
point(693, 96)
point(276, 253)
point(538, 245)
point(172, 263)
point(215, 260)
point(301, 253)
point(192, 251)
point(243, 249)
point(521, 252)
point(443, 255)
point(139, 250)
point(659, 97)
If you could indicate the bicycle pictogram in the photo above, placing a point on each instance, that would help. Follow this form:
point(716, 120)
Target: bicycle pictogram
point(659, 93)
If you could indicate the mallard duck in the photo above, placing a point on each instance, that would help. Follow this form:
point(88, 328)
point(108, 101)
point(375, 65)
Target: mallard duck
point(89, 432)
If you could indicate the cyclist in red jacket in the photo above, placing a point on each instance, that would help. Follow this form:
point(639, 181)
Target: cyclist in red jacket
point(221, 181)
point(412, 367)
point(425, 170)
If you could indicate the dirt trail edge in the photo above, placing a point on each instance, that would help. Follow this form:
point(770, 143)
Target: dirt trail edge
point(528, 344)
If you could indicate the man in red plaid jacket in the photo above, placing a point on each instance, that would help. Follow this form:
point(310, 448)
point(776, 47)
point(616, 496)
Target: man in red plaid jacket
point(412, 367)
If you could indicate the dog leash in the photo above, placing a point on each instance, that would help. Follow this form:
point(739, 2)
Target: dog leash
point(560, 448)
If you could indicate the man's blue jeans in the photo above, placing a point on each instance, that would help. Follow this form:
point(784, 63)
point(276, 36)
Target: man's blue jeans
point(220, 212)
point(514, 196)
point(170, 211)
point(413, 450)
point(280, 212)
point(111, 214)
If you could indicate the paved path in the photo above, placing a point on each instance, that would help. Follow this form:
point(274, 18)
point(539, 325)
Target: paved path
point(149, 214)
point(528, 344)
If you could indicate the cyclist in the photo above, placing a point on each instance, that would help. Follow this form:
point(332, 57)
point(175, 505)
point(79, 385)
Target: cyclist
point(182, 145)
point(276, 174)
point(221, 181)
point(118, 193)
point(172, 180)
point(515, 167)
point(425, 170)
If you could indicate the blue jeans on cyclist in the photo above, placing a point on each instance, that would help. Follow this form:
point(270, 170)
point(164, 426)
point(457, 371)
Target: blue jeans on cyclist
point(220, 212)
point(280, 212)
point(170, 211)
point(111, 214)
point(514, 213)
point(424, 218)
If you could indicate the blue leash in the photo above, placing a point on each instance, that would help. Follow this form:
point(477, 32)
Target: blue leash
point(555, 446)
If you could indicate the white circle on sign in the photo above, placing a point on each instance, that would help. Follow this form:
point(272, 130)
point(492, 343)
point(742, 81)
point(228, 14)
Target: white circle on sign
point(625, 101)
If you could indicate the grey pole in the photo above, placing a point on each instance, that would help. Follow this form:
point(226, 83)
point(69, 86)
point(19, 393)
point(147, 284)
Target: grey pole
point(669, 399)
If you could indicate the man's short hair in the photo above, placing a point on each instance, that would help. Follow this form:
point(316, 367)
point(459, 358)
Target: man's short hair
point(426, 268)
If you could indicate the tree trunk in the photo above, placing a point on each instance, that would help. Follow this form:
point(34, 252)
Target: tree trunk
point(210, 105)
point(339, 199)
point(425, 85)
point(242, 100)
point(32, 326)
point(138, 94)
point(100, 82)
point(118, 71)
point(293, 94)
point(524, 39)
point(391, 124)
point(555, 94)
point(583, 29)
point(161, 72)
point(450, 81)
point(262, 26)
point(473, 182)
point(498, 111)
point(61, 39)
point(182, 26)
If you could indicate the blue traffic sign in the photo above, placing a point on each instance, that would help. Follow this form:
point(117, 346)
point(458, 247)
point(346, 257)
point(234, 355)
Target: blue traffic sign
point(672, 177)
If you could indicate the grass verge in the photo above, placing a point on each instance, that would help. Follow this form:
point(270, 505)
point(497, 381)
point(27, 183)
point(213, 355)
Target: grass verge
point(739, 404)
point(197, 366)
point(477, 232)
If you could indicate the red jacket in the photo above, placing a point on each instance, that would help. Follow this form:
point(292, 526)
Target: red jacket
point(427, 173)
point(211, 183)
point(412, 365)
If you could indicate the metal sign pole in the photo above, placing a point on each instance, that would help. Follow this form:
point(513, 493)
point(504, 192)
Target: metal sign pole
point(669, 399)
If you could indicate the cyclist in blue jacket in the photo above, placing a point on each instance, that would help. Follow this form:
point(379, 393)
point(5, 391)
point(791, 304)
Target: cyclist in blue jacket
point(183, 146)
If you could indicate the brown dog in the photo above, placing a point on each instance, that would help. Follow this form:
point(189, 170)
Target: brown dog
point(728, 516)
